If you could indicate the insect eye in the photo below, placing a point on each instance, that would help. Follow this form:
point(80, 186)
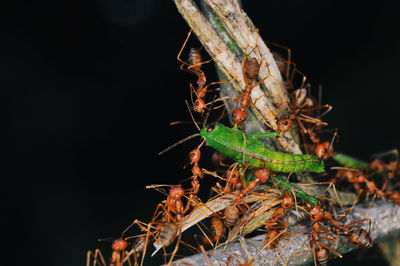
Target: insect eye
point(211, 127)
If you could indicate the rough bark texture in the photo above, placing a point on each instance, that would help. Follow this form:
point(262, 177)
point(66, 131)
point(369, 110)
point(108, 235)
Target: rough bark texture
point(240, 37)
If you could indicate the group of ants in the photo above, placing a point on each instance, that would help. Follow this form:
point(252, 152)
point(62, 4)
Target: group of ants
point(325, 224)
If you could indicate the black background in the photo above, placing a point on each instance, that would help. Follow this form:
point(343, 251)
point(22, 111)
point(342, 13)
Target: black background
point(89, 90)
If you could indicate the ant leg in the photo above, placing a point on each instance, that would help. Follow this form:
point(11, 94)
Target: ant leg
point(210, 241)
point(287, 61)
point(96, 256)
point(264, 78)
point(207, 259)
point(201, 63)
point(312, 120)
point(331, 249)
point(303, 129)
point(176, 247)
point(319, 107)
point(180, 52)
point(357, 222)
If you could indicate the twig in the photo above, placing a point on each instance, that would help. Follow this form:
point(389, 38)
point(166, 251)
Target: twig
point(272, 102)
point(386, 223)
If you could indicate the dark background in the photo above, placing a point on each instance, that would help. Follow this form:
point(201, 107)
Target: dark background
point(89, 90)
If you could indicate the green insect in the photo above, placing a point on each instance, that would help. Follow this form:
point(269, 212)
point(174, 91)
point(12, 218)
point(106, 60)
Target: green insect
point(251, 151)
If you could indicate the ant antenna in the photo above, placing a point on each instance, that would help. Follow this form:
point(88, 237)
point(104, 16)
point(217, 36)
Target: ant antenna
point(191, 115)
point(178, 143)
point(126, 229)
point(209, 111)
point(333, 139)
point(106, 239)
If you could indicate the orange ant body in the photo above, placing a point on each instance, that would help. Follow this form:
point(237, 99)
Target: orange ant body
point(319, 249)
point(394, 196)
point(193, 65)
point(358, 177)
point(167, 234)
point(377, 165)
point(194, 157)
point(231, 216)
point(360, 237)
point(301, 109)
point(174, 202)
point(273, 235)
point(250, 70)
point(118, 246)
point(218, 229)
point(218, 232)
point(232, 176)
point(119, 255)
point(261, 175)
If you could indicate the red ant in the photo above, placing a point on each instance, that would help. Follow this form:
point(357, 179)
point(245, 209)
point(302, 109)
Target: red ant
point(218, 232)
point(286, 67)
point(301, 109)
point(250, 70)
point(273, 235)
point(321, 255)
point(118, 256)
point(323, 150)
point(193, 65)
point(261, 175)
point(357, 177)
point(392, 167)
point(394, 196)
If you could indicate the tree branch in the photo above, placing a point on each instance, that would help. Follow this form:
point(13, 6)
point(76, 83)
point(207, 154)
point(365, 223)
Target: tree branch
point(385, 224)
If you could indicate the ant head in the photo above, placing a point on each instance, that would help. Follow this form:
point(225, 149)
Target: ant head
point(262, 174)
point(323, 150)
point(284, 125)
point(287, 201)
point(316, 214)
point(194, 156)
point(232, 175)
point(377, 165)
point(119, 244)
point(199, 106)
point(360, 176)
point(238, 116)
point(176, 192)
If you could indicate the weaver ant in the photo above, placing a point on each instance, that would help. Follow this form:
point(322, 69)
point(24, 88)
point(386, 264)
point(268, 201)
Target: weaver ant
point(193, 65)
point(119, 255)
point(250, 71)
point(273, 235)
